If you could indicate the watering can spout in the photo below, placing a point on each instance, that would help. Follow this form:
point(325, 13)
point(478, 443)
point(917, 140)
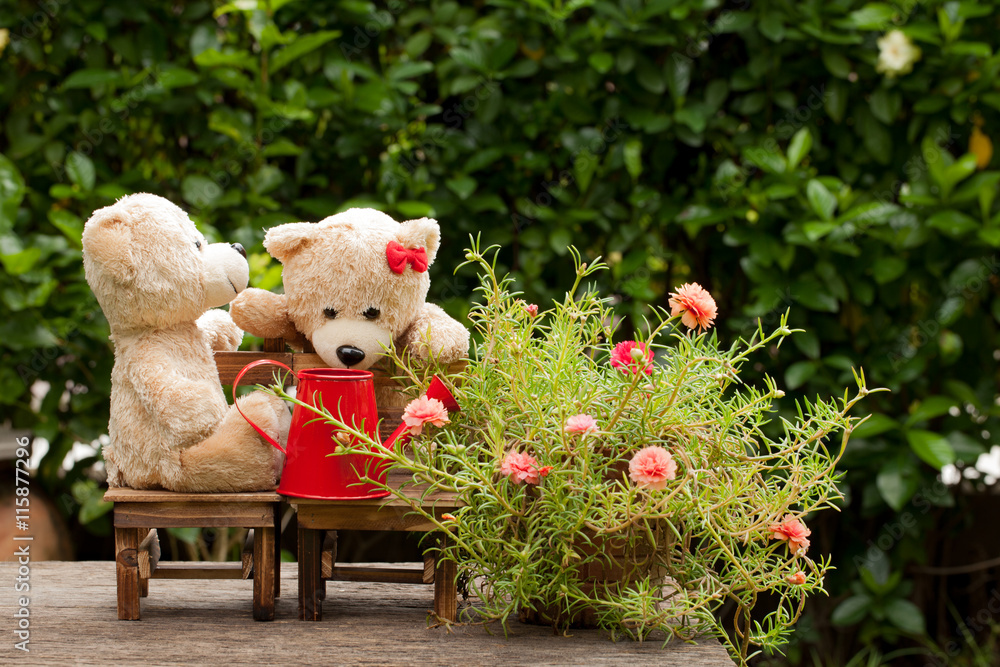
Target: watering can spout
point(436, 390)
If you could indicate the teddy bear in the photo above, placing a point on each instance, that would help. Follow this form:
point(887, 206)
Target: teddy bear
point(159, 283)
point(355, 284)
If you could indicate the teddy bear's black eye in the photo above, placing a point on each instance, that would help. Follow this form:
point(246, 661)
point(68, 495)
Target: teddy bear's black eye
point(330, 313)
point(197, 244)
point(372, 313)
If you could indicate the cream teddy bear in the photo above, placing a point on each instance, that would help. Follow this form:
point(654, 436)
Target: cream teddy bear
point(158, 282)
point(355, 284)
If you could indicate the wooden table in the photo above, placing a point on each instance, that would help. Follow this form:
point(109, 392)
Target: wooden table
point(318, 521)
point(74, 621)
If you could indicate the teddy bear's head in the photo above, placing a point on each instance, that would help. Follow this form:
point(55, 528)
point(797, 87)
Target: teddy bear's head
point(150, 267)
point(354, 281)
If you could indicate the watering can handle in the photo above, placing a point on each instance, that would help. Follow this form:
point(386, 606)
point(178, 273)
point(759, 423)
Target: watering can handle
point(236, 382)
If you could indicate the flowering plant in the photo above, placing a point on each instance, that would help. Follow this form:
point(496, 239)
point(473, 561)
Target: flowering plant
point(647, 459)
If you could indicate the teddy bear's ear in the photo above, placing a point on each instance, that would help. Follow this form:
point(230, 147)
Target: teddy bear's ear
point(422, 233)
point(107, 241)
point(284, 241)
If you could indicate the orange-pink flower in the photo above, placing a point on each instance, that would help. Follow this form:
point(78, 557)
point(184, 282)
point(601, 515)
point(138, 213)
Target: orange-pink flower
point(797, 579)
point(422, 411)
point(523, 468)
point(580, 424)
point(694, 304)
point(531, 308)
point(792, 530)
point(652, 467)
point(630, 357)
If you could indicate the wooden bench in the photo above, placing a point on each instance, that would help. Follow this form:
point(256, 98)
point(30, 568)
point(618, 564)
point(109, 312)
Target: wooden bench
point(319, 521)
point(137, 515)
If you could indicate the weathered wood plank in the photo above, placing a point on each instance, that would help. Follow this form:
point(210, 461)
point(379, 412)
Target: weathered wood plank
point(277, 551)
point(378, 514)
point(200, 514)
point(445, 587)
point(73, 621)
point(263, 576)
point(387, 575)
point(123, 494)
point(149, 554)
point(274, 345)
point(323, 517)
point(127, 573)
point(430, 568)
point(311, 582)
point(196, 570)
point(231, 363)
point(329, 555)
point(246, 556)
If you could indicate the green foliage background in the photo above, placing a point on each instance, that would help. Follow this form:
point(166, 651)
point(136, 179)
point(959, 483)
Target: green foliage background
point(752, 147)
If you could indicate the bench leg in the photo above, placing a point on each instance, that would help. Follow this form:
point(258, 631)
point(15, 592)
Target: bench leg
point(127, 567)
point(310, 574)
point(263, 574)
point(445, 587)
point(143, 587)
point(277, 550)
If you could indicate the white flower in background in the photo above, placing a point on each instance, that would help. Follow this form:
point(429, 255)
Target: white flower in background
point(950, 474)
point(896, 54)
point(989, 464)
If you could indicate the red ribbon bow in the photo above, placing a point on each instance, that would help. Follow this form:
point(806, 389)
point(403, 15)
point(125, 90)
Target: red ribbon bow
point(399, 256)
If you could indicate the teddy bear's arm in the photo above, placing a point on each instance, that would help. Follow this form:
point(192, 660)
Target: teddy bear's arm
point(223, 335)
point(175, 402)
point(265, 314)
point(449, 340)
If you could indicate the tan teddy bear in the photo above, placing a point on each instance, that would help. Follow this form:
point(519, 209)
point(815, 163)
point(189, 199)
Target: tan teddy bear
point(157, 280)
point(355, 283)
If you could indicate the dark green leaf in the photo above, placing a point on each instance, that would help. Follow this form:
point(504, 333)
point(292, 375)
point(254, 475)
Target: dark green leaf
point(952, 223)
point(932, 448)
point(301, 46)
point(852, 610)
point(80, 170)
point(799, 147)
point(876, 424)
point(905, 615)
point(822, 201)
point(89, 78)
point(931, 407)
point(897, 481)
point(799, 373)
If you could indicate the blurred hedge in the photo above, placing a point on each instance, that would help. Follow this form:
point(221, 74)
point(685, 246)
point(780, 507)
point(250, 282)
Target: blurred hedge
point(752, 147)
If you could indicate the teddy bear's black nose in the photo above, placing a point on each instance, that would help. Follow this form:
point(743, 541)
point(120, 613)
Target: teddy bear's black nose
point(240, 249)
point(351, 356)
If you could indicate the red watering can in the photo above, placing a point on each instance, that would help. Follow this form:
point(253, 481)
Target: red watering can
point(309, 471)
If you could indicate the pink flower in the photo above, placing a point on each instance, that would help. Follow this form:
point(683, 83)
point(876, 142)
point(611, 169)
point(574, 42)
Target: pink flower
point(580, 424)
point(422, 411)
point(797, 579)
point(531, 308)
point(629, 356)
point(523, 468)
point(794, 531)
point(694, 304)
point(652, 467)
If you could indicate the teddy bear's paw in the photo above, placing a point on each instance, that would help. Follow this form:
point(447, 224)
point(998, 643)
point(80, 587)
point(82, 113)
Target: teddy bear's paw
point(223, 335)
point(263, 411)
